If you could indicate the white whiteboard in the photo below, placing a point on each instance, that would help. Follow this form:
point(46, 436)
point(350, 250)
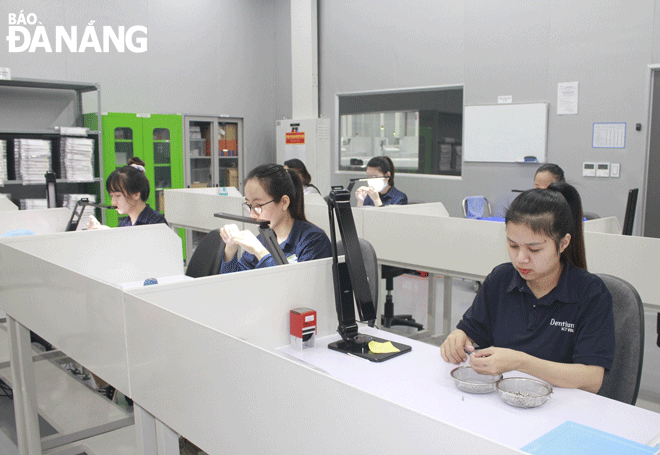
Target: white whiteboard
point(505, 132)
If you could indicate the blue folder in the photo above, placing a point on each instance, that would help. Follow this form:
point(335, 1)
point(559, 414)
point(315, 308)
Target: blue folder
point(576, 439)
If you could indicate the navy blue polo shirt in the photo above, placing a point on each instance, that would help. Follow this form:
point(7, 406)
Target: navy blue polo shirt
point(304, 243)
point(392, 197)
point(573, 323)
point(146, 216)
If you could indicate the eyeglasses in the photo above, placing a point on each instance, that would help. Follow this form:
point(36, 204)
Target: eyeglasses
point(258, 208)
point(375, 176)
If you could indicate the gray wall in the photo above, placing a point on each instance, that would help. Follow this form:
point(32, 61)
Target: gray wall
point(518, 48)
point(208, 57)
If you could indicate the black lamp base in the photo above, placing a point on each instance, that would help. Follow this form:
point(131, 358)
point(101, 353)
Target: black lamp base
point(359, 347)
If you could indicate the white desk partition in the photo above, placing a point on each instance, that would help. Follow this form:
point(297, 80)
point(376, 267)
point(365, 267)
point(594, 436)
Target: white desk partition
point(253, 305)
point(631, 258)
point(608, 225)
point(58, 285)
point(452, 246)
point(211, 377)
point(317, 213)
point(430, 208)
point(6, 204)
point(43, 221)
point(193, 208)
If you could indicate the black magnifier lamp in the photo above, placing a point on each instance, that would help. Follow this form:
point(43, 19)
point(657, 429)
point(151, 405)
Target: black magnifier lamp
point(350, 186)
point(78, 210)
point(350, 281)
point(267, 234)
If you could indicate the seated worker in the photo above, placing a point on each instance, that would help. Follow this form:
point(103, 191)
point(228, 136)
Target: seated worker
point(300, 169)
point(548, 173)
point(128, 188)
point(384, 193)
point(542, 314)
point(276, 194)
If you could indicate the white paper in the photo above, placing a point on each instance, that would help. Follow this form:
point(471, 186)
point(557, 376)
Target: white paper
point(609, 135)
point(567, 98)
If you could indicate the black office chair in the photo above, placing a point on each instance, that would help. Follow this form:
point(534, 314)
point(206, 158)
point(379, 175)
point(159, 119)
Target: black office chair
point(207, 257)
point(388, 273)
point(621, 382)
point(590, 216)
point(370, 265)
point(629, 217)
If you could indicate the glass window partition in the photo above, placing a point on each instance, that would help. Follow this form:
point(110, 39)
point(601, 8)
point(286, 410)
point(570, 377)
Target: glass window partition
point(420, 130)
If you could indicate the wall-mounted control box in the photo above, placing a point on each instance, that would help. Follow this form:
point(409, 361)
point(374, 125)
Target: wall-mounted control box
point(603, 170)
point(589, 169)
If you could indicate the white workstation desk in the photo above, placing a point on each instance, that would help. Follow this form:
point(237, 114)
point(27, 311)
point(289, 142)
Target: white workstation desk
point(6, 204)
point(223, 376)
point(67, 288)
point(203, 358)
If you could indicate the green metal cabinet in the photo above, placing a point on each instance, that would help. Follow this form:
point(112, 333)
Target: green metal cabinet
point(157, 139)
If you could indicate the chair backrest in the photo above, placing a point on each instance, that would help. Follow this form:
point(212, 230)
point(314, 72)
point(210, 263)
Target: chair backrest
point(590, 216)
point(631, 206)
point(476, 207)
point(207, 257)
point(621, 382)
point(370, 264)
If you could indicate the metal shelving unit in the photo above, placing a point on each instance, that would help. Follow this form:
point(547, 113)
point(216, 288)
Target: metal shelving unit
point(14, 186)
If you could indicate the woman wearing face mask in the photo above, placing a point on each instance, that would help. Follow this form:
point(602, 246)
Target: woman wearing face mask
point(276, 194)
point(380, 191)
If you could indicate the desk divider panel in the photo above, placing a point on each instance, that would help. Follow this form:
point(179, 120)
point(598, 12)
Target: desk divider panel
point(317, 214)
point(253, 305)
point(430, 208)
point(80, 315)
point(43, 221)
point(631, 258)
point(456, 246)
point(228, 396)
point(193, 208)
point(608, 225)
point(113, 255)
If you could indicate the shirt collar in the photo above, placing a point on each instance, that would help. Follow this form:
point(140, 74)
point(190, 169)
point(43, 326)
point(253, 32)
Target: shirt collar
point(292, 234)
point(565, 291)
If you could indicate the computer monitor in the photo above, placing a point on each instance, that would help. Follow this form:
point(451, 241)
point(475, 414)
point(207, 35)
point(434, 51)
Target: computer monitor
point(631, 207)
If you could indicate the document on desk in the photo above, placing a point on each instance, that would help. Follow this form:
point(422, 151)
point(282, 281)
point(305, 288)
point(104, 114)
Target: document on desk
point(576, 439)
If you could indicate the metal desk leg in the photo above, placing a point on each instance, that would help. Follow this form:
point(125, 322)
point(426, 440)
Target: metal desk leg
point(24, 389)
point(431, 310)
point(153, 436)
point(446, 312)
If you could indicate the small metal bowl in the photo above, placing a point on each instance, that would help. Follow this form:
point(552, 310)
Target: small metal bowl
point(468, 380)
point(523, 392)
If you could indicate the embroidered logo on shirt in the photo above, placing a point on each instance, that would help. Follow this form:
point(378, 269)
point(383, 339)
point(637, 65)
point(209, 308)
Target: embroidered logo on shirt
point(565, 325)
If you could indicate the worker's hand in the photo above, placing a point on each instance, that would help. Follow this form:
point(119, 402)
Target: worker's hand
point(495, 360)
point(250, 243)
point(93, 223)
point(360, 194)
point(454, 347)
point(227, 233)
point(374, 195)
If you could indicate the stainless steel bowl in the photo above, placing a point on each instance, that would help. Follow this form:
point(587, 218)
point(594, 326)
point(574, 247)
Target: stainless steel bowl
point(468, 380)
point(523, 392)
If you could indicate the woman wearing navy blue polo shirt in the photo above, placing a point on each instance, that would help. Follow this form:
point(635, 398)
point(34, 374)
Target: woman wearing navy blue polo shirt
point(276, 194)
point(542, 314)
point(381, 191)
point(128, 188)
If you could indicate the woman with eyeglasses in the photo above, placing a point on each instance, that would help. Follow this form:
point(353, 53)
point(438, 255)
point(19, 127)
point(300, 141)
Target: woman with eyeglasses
point(275, 194)
point(380, 190)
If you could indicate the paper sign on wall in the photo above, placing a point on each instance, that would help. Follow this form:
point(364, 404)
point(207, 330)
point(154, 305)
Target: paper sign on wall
point(294, 145)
